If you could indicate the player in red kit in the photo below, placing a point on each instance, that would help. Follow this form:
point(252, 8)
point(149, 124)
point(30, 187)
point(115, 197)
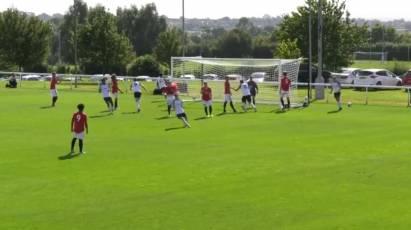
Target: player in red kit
point(53, 89)
point(78, 126)
point(227, 95)
point(285, 90)
point(115, 89)
point(170, 91)
point(206, 96)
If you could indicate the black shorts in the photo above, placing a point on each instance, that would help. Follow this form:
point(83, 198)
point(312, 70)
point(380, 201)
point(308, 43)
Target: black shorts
point(107, 99)
point(137, 95)
point(181, 115)
point(245, 99)
point(337, 95)
point(253, 93)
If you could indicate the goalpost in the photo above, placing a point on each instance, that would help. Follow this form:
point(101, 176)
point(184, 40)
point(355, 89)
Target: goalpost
point(191, 72)
point(378, 56)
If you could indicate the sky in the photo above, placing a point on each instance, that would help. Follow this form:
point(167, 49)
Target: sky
point(368, 9)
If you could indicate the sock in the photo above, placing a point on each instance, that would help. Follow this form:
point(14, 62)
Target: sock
point(185, 121)
point(80, 144)
point(244, 107)
point(288, 102)
point(225, 105)
point(54, 101)
point(282, 102)
point(115, 103)
point(73, 142)
point(210, 110)
point(169, 110)
point(205, 110)
point(232, 106)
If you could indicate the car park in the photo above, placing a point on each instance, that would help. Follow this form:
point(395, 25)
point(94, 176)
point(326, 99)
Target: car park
point(31, 77)
point(377, 77)
point(347, 75)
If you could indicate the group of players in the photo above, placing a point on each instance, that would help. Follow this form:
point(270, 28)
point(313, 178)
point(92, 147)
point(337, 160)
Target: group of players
point(170, 91)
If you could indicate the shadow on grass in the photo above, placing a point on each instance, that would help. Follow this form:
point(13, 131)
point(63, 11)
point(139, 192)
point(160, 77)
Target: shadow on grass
point(129, 113)
point(334, 111)
point(47, 107)
point(174, 128)
point(163, 118)
point(69, 156)
point(105, 111)
point(200, 118)
point(101, 116)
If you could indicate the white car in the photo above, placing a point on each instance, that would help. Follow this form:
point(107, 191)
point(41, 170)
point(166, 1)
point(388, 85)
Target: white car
point(259, 76)
point(347, 76)
point(377, 77)
point(187, 77)
point(143, 78)
point(31, 77)
point(210, 76)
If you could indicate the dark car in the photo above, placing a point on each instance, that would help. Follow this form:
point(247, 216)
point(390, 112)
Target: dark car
point(303, 74)
point(406, 78)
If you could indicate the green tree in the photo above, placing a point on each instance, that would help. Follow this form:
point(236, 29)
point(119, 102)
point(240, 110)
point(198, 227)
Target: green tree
point(74, 19)
point(145, 65)
point(288, 49)
point(24, 39)
point(101, 48)
point(142, 26)
point(381, 33)
point(263, 47)
point(168, 45)
point(341, 36)
point(235, 44)
point(246, 25)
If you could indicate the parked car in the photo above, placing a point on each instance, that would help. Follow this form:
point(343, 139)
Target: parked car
point(31, 77)
point(303, 73)
point(377, 77)
point(209, 76)
point(143, 78)
point(347, 75)
point(259, 76)
point(234, 77)
point(406, 78)
point(187, 77)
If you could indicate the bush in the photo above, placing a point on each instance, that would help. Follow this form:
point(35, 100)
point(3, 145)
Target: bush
point(145, 65)
point(399, 68)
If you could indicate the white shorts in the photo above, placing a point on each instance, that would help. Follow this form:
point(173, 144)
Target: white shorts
point(170, 99)
point(79, 136)
point(284, 93)
point(115, 95)
point(53, 92)
point(208, 103)
point(227, 98)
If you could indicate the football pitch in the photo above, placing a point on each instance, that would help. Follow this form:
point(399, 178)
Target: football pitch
point(309, 168)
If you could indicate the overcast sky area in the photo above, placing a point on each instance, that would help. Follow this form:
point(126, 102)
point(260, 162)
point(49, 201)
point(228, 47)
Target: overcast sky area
point(369, 9)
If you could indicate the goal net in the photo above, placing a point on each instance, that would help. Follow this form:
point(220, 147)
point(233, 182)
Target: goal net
point(191, 72)
point(369, 56)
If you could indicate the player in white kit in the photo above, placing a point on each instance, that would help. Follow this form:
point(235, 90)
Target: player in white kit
point(336, 89)
point(246, 99)
point(105, 91)
point(136, 87)
point(179, 106)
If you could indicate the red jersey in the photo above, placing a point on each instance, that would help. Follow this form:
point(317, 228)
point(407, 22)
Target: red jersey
point(285, 84)
point(170, 90)
point(79, 122)
point(206, 94)
point(227, 89)
point(53, 82)
point(114, 86)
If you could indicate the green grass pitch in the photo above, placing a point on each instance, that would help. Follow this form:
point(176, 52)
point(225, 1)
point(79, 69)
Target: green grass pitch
point(302, 169)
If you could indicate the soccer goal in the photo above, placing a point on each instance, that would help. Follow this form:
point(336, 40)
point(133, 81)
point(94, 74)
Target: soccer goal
point(369, 56)
point(191, 72)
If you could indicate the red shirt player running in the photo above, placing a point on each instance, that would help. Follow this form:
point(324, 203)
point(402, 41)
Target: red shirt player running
point(170, 90)
point(115, 89)
point(206, 96)
point(285, 90)
point(78, 125)
point(227, 95)
point(53, 89)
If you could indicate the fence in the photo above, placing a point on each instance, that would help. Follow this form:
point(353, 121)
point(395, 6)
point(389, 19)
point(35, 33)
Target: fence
point(190, 89)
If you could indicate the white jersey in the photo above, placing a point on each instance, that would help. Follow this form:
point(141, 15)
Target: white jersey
point(245, 89)
point(336, 86)
point(136, 87)
point(178, 104)
point(105, 90)
point(161, 83)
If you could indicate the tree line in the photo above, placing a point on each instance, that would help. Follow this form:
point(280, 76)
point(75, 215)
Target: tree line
point(138, 41)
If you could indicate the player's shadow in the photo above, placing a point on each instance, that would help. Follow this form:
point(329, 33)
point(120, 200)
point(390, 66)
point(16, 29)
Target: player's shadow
point(201, 118)
point(334, 111)
point(162, 118)
point(105, 111)
point(174, 128)
point(101, 116)
point(47, 107)
point(68, 156)
point(129, 113)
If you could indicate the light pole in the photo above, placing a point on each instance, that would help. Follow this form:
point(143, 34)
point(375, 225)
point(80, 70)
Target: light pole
point(184, 32)
point(310, 75)
point(320, 78)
